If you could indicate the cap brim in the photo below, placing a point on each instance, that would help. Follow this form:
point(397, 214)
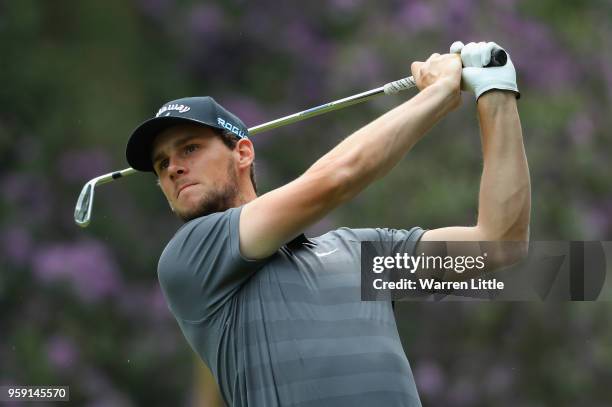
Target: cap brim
point(139, 146)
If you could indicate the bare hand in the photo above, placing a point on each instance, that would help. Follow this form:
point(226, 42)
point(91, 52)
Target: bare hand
point(443, 70)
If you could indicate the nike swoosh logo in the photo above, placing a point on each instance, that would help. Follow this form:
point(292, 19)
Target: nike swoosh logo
point(326, 253)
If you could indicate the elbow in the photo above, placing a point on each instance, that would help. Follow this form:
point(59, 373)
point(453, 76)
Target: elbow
point(337, 180)
point(507, 248)
point(506, 253)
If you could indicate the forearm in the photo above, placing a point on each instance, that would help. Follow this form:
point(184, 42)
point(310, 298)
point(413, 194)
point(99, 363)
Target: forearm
point(372, 151)
point(505, 191)
point(276, 217)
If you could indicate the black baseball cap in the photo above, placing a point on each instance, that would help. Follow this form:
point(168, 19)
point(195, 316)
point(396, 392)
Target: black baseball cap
point(202, 110)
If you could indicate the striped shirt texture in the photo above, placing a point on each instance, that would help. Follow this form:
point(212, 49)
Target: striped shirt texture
point(290, 330)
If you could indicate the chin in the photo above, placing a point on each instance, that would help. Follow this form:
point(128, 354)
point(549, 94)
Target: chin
point(216, 201)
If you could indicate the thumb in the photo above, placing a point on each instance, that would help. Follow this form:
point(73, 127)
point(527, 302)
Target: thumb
point(415, 68)
point(456, 47)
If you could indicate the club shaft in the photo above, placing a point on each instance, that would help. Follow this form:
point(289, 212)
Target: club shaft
point(405, 83)
point(317, 110)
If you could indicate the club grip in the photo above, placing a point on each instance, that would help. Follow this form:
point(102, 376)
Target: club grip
point(498, 58)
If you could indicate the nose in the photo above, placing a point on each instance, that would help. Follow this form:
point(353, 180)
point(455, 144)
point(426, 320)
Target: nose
point(176, 168)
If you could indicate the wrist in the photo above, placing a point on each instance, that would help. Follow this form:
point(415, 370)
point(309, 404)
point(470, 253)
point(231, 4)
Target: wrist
point(447, 93)
point(495, 99)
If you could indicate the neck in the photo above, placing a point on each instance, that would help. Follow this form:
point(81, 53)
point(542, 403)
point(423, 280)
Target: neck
point(245, 196)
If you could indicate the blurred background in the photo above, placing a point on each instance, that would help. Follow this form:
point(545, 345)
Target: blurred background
point(81, 307)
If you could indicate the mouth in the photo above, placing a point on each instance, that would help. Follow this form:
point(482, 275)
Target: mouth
point(181, 189)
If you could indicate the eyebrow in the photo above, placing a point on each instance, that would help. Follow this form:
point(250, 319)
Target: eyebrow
point(177, 142)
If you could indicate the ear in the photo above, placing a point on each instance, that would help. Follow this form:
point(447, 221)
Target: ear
point(246, 153)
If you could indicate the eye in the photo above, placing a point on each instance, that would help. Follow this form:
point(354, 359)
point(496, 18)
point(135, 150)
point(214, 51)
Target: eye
point(163, 164)
point(190, 148)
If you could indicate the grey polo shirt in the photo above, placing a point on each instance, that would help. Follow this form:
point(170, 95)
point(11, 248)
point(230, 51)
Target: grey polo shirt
point(289, 330)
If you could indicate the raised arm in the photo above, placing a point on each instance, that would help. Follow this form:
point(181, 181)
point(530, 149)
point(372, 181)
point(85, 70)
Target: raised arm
point(505, 193)
point(271, 220)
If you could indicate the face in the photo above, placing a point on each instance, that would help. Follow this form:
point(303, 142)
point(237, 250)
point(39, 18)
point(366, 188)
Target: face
point(197, 172)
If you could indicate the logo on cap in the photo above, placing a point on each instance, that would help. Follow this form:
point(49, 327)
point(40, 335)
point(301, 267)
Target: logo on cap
point(174, 106)
point(234, 129)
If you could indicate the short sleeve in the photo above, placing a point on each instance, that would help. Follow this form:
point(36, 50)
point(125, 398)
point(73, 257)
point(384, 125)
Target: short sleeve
point(201, 267)
point(392, 240)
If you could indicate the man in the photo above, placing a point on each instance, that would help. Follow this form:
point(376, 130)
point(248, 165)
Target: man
point(278, 317)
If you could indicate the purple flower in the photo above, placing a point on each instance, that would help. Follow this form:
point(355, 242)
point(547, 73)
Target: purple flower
point(16, 245)
point(344, 6)
point(28, 193)
point(205, 19)
point(13, 402)
point(606, 70)
point(14, 186)
point(459, 12)
point(87, 265)
point(246, 109)
point(93, 381)
point(134, 301)
point(506, 5)
point(306, 45)
point(158, 305)
point(99, 390)
point(581, 128)
point(463, 393)
point(82, 165)
point(362, 65)
point(598, 220)
point(260, 23)
point(144, 301)
point(62, 352)
point(545, 63)
point(300, 37)
point(114, 399)
point(418, 16)
point(429, 378)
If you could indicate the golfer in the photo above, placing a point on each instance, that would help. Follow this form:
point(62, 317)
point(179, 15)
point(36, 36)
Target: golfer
point(276, 316)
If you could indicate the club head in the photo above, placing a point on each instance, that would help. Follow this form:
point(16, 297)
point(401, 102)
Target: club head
point(82, 211)
point(84, 205)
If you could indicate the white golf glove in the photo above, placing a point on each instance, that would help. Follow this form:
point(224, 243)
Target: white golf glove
point(477, 79)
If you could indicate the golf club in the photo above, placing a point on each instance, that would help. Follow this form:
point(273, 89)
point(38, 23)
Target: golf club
point(83, 209)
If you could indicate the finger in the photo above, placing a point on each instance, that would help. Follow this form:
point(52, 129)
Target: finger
point(486, 53)
point(457, 56)
point(468, 54)
point(415, 68)
point(433, 56)
point(475, 55)
point(482, 54)
point(495, 46)
point(456, 47)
